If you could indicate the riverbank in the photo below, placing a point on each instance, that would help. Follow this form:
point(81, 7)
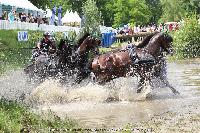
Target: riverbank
point(15, 117)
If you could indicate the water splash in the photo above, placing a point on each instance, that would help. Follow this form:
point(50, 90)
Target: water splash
point(122, 89)
point(13, 85)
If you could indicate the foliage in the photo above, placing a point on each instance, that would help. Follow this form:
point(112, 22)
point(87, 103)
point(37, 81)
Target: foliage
point(91, 18)
point(175, 10)
point(15, 117)
point(156, 10)
point(51, 3)
point(106, 9)
point(119, 12)
point(131, 11)
point(172, 10)
point(187, 39)
point(192, 6)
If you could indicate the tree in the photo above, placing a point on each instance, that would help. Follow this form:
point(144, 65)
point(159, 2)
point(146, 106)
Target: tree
point(156, 10)
point(44, 4)
point(186, 40)
point(91, 18)
point(135, 12)
point(107, 10)
point(173, 10)
point(104, 6)
point(192, 6)
point(40, 3)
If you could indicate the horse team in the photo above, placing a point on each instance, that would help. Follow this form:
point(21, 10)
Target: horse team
point(145, 60)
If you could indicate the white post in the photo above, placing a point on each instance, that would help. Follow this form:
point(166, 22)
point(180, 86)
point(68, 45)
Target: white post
point(0, 10)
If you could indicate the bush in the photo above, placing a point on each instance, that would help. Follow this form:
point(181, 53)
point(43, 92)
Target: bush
point(187, 39)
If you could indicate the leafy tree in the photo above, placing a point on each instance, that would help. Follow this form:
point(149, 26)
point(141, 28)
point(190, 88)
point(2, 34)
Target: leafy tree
point(104, 6)
point(156, 10)
point(44, 4)
point(40, 3)
point(91, 18)
point(131, 11)
point(192, 6)
point(106, 9)
point(76, 5)
point(173, 10)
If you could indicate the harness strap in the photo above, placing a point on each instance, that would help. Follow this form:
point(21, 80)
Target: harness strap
point(132, 52)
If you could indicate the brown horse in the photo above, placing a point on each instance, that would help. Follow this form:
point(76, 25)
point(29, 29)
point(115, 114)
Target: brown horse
point(141, 62)
point(66, 51)
point(90, 46)
point(71, 63)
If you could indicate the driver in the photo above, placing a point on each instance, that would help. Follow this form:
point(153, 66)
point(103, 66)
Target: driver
point(45, 44)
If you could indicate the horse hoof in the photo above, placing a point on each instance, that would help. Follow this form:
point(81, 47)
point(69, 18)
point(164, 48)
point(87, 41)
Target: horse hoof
point(139, 90)
point(176, 93)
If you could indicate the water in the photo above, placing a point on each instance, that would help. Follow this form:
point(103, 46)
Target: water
point(112, 105)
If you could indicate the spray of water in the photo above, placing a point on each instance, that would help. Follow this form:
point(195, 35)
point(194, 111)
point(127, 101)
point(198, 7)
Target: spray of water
point(15, 86)
point(122, 89)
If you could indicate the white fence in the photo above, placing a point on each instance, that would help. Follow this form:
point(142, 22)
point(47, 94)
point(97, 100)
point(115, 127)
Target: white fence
point(6, 25)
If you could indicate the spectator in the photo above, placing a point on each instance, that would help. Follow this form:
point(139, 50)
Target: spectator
point(39, 20)
point(5, 16)
point(170, 27)
point(31, 19)
point(23, 17)
point(11, 16)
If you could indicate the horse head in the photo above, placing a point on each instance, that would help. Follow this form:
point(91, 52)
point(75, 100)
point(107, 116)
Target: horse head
point(88, 44)
point(166, 42)
point(80, 41)
point(159, 43)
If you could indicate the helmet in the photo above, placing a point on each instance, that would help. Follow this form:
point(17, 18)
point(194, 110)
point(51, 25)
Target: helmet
point(46, 34)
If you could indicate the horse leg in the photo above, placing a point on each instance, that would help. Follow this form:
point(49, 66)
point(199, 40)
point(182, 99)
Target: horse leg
point(163, 77)
point(140, 85)
point(166, 82)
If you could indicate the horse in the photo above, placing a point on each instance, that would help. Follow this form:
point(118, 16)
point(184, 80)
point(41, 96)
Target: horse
point(134, 61)
point(53, 63)
point(82, 62)
point(161, 67)
point(42, 64)
point(66, 53)
point(77, 64)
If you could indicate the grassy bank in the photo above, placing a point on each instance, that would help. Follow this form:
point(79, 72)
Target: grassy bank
point(14, 54)
point(15, 118)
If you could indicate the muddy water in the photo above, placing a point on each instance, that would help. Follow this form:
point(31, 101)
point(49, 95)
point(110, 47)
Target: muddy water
point(117, 103)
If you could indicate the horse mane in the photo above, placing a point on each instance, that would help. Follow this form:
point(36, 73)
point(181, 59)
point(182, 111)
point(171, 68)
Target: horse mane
point(146, 40)
point(62, 41)
point(80, 41)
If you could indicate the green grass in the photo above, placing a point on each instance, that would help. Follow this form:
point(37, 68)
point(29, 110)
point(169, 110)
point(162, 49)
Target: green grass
point(14, 117)
point(14, 54)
